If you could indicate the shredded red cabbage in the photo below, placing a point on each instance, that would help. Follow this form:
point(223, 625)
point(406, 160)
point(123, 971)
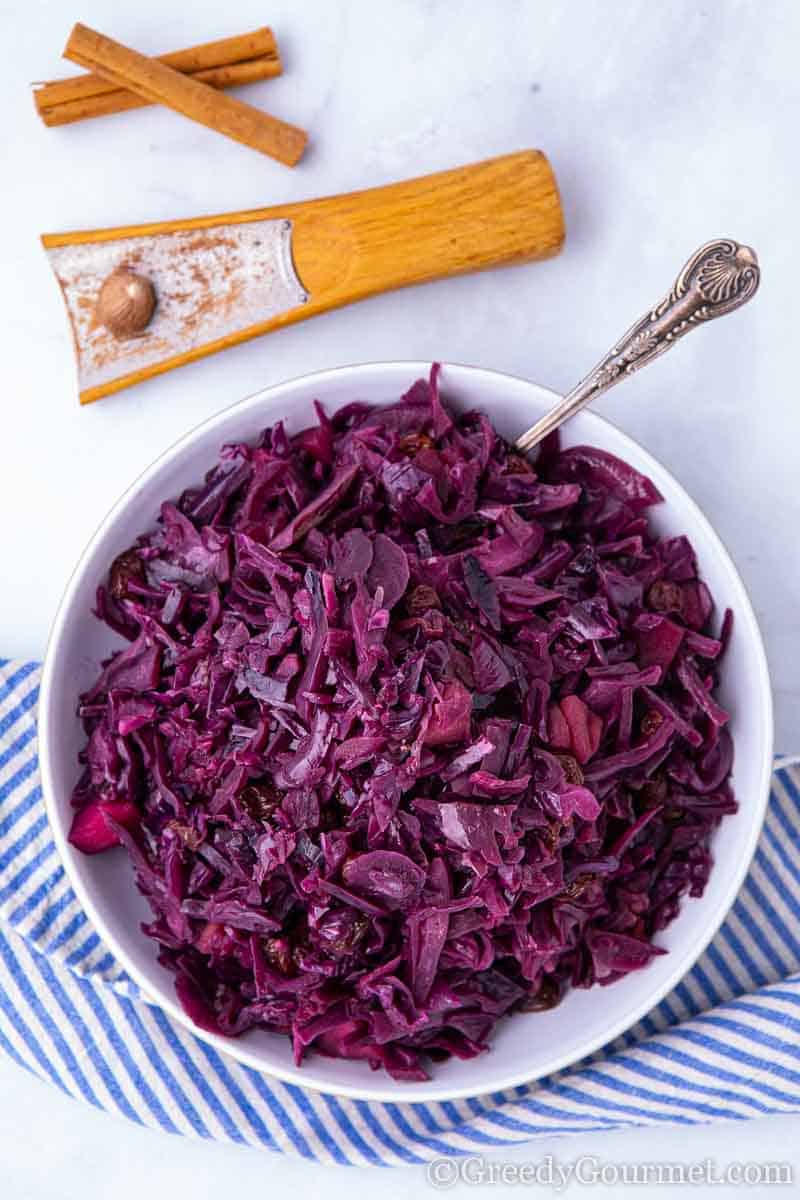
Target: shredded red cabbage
point(410, 733)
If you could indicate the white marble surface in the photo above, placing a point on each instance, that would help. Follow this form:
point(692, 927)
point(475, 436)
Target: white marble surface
point(666, 123)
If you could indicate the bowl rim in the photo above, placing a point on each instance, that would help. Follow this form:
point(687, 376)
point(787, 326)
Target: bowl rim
point(387, 1090)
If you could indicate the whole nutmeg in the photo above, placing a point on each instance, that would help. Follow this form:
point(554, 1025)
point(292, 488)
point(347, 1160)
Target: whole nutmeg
point(126, 303)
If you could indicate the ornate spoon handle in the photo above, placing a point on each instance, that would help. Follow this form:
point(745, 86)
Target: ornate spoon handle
point(718, 278)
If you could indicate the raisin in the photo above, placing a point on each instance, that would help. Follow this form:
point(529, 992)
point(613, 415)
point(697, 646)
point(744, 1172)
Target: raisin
point(517, 465)
point(654, 792)
point(574, 890)
point(126, 568)
point(651, 721)
point(190, 837)
point(571, 768)
point(278, 953)
point(412, 443)
point(552, 836)
point(340, 933)
point(421, 599)
point(260, 800)
point(548, 996)
point(665, 597)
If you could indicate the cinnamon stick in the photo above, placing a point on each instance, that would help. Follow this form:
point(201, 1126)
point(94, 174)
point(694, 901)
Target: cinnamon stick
point(117, 100)
point(161, 84)
point(228, 62)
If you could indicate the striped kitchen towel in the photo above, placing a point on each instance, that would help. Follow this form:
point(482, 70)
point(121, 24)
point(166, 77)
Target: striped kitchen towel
point(724, 1044)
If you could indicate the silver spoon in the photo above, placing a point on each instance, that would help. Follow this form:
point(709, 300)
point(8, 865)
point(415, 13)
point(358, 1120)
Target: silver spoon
point(718, 278)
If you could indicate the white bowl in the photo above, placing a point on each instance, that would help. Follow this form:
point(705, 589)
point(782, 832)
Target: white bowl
point(527, 1046)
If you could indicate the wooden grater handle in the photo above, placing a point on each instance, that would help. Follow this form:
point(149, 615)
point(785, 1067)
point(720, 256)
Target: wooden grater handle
point(505, 210)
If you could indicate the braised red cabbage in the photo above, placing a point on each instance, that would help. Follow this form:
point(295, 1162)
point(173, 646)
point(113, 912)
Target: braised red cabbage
point(410, 733)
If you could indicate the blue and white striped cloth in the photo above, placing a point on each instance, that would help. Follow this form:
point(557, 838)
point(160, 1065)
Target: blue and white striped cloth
point(724, 1044)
